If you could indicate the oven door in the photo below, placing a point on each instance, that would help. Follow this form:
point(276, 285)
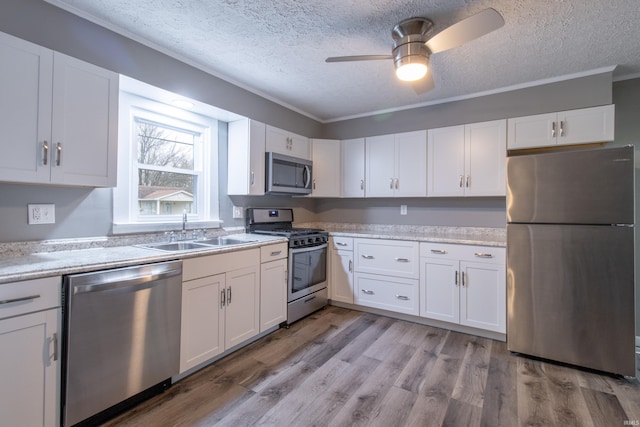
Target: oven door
point(307, 271)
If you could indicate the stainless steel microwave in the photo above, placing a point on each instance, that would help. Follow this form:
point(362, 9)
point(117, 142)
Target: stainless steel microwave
point(287, 175)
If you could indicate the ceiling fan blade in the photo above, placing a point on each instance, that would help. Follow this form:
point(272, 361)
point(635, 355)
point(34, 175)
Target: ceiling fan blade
point(466, 30)
point(357, 58)
point(423, 85)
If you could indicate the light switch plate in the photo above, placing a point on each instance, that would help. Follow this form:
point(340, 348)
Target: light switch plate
point(237, 212)
point(42, 213)
point(403, 209)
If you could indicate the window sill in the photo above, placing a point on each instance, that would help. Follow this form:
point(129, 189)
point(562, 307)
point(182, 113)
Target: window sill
point(150, 227)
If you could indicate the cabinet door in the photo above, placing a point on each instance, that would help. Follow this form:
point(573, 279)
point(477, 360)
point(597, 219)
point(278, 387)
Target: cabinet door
point(485, 158)
point(446, 161)
point(380, 166)
point(285, 142)
point(25, 110)
point(341, 276)
point(29, 369)
point(353, 159)
point(440, 289)
point(84, 124)
point(300, 146)
point(326, 167)
point(273, 293)
point(531, 131)
point(245, 159)
point(242, 305)
point(411, 164)
point(483, 296)
point(586, 125)
point(202, 327)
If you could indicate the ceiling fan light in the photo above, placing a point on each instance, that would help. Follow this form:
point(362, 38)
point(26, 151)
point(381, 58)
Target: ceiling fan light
point(411, 72)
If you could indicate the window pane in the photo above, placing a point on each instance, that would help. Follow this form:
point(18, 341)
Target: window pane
point(164, 146)
point(165, 193)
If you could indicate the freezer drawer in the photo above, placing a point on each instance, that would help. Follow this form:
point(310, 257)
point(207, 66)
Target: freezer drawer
point(570, 293)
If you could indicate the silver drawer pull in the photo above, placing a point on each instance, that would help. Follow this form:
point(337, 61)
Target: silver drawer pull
point(12, 300)
point(402, 259)
point(368, 292)
point(403, 297)
point(438, 251)
point(367, 256)
point(341, 244)
point(276, 253)
point(483, 255)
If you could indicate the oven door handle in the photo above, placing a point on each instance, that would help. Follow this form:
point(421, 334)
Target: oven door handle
point(308, 249)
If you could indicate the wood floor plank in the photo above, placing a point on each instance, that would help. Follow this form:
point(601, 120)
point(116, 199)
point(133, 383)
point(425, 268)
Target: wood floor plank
point(500, 404)
point(604, 408)
point(567, 401)
point(462, 414)
point(361, 343)
point(628, 392)
point(394, 409)
point(534, 407)
point(472, 377)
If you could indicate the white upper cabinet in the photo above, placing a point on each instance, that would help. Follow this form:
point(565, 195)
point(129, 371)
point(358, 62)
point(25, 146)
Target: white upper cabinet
point(396, 165)
point(245, 161)
point(59, 117)
point(326, 167)
point(582, 126)
point(467, 160)
point(353, 167)
point(288, 143)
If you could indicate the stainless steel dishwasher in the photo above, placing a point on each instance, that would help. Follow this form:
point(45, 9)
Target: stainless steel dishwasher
point(122, 338)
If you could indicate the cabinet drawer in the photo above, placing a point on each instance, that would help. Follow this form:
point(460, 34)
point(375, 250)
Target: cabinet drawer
point(387, 293)
point(273, 252)
point(342, 243)
point(18, 298)
point(489, 254)
point(389, 257)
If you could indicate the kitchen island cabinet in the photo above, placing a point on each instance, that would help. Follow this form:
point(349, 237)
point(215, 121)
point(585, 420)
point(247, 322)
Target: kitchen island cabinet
point(29, 355)
point(220, 304)
point(64, 129)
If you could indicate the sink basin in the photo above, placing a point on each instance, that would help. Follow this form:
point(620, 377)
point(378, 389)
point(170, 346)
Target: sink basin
point(176, 246)
point(223, 241)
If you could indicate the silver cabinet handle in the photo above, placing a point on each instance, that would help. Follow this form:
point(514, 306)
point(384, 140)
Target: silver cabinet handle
point(403, 260)
point(391, 183)
point(456, 278)
point(253, 178)
point(276, 253)
point(362, 184)
point(45, 153)
point(54, 341)
point(58, 153)
point(553, 130)
point(12, 300)
point(402, 297)
point(368, 292)
point(397, 183)
point(463, 279)
point(350, 266)
point(229, 295)
point(367, 256)
point(483, 255)
point(438, 251)
point(461, 181)
point(223, 297)
point(562, 128)
point(467, 181)
point(341, 244)
point(314, 183)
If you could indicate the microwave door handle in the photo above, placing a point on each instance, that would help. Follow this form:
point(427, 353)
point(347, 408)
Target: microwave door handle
point(307, 176)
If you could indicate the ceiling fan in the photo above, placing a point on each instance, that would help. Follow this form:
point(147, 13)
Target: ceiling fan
point(413, 45)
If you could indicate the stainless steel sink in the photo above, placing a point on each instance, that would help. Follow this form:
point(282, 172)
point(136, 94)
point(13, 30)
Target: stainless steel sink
point(224, 241)
point(176, 246)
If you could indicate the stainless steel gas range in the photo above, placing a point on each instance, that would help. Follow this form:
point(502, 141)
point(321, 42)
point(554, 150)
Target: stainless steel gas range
point(307, 272)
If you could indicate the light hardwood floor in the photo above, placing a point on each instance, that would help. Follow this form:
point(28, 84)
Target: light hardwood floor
point(341, 367)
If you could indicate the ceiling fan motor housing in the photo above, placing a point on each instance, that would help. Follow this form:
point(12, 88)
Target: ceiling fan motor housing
point(410, 36)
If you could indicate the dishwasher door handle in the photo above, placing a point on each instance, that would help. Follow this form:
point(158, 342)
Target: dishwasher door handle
point(128, 284)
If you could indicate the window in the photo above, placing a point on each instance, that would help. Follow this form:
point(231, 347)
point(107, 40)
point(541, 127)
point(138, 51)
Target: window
point(167, 165)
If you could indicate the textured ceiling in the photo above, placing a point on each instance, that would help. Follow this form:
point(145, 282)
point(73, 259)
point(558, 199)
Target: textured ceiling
point(277, 48)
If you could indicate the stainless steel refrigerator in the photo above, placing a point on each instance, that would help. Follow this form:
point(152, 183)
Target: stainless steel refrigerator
point(570, 257)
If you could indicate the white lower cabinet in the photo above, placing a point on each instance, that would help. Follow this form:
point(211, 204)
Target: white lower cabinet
point(220, 304)
point(273, 285)
point(386, 275)
point(464, 285)
point(341, 283)
point(29, 355)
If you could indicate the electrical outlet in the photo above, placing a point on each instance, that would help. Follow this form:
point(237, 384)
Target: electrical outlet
point(237, 212)
point(42, 214)
point(403, 209)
